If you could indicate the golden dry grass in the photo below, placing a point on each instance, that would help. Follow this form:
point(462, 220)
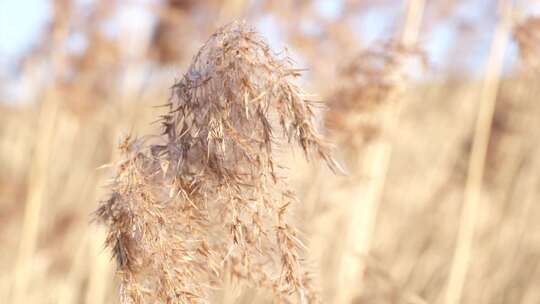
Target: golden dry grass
point(438, 204)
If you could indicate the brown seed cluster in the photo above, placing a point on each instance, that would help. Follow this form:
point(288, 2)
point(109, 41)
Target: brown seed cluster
point(368, 85)
point(527, 36)
point(207, 199)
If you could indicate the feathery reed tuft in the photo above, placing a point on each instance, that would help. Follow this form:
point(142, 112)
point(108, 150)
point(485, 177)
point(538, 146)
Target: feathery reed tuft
point(369, 84)
point(208, 198)
point(527, 36)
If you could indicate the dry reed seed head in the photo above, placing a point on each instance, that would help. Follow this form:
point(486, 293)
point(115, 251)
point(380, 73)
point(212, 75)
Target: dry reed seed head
point(368, 85)
point(527, 36)
point(232, 96)
point(208, 198)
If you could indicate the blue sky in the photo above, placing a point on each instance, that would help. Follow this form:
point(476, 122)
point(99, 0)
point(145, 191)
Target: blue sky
point(21, 22)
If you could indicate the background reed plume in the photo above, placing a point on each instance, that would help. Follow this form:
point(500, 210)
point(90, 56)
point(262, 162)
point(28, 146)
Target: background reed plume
point(208, 198)
point(370, 84)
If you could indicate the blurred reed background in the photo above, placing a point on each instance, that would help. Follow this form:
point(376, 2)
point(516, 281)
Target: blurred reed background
point(441, 148)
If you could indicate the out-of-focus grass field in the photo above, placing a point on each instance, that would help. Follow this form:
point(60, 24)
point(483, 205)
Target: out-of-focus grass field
point(442, 187)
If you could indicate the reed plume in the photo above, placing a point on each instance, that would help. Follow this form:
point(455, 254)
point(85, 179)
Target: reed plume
point(363, 115)
point(370, 84)
point(207, 199)
point(527, 36)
